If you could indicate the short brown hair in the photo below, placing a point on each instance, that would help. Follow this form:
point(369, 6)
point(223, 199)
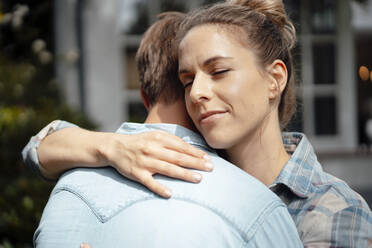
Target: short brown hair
point(268, 32)
point(157, 60)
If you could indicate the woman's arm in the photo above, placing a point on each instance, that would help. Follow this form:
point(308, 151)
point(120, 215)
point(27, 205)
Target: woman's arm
point(137, 157)
point(69, 148)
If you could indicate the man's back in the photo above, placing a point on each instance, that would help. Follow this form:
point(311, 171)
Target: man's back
point(228, 208)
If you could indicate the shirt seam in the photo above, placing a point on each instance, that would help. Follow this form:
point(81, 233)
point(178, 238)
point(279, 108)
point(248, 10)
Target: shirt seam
point(245, 235)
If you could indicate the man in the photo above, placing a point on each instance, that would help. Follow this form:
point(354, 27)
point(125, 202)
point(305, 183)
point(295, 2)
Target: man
point(228, 208)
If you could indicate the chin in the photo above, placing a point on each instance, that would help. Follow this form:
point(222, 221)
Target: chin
point(217, 141)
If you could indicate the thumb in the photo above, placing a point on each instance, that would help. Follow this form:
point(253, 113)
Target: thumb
point(84, 245)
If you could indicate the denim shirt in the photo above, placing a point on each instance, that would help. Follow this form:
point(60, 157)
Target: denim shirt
point(228, 208)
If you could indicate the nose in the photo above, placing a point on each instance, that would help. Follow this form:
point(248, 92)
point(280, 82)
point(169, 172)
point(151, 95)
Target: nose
point(201, 89)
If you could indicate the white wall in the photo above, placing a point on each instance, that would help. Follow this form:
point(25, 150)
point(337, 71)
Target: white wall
point(101, 56)
point(66, 51)
point(102, 62)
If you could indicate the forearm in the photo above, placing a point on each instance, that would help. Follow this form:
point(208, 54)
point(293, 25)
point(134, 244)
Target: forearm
point(61, 146)
point(69, 148)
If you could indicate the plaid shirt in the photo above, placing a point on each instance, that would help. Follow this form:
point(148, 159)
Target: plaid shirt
point(326, 211)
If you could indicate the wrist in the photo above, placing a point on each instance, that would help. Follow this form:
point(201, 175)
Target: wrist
point(110, 145)
point(104, 143)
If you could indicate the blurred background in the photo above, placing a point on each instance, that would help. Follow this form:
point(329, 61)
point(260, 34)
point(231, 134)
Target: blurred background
point(74, 60)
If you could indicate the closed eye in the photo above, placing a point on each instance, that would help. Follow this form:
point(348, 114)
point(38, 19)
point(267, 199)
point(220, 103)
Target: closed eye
point(187, 84)
point(219, 72)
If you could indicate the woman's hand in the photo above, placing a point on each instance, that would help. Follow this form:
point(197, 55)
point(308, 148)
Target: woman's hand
point(137, 156)
point(140, 156)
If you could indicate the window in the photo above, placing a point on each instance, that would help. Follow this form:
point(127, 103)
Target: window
point(324, 64)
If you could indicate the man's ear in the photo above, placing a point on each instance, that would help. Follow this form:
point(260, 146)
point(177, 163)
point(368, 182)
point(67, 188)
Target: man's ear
point(278, 73)
point(145, 100)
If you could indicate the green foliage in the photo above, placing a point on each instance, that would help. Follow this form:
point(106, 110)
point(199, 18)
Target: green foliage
point(29, 99)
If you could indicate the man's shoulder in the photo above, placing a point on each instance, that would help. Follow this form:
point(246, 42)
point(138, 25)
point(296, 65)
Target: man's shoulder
point(104, 190)
point(229, 192)
point(225, 175)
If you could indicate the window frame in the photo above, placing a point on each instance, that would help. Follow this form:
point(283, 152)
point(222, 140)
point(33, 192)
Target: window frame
point(344, 89)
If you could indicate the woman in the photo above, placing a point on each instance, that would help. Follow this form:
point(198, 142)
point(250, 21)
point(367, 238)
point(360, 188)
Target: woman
point(236, 68)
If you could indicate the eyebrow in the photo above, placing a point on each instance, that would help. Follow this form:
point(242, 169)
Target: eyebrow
point(213, 59)
point(207, 62)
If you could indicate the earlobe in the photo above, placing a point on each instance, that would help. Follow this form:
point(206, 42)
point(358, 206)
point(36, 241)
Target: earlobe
point(273, 89)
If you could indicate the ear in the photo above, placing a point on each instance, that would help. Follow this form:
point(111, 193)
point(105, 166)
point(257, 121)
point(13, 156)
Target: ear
point(278, 74)
point(145, 100)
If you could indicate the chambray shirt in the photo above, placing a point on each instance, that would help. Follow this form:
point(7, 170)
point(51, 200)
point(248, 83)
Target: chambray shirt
point(228, 208)
point(327, 212)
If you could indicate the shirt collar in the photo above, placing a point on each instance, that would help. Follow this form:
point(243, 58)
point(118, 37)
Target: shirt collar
point(187, 135)
point(299, 171)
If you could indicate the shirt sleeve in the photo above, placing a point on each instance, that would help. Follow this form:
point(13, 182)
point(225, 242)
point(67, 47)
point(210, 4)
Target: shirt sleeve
point(29, 152)
point(277, 230)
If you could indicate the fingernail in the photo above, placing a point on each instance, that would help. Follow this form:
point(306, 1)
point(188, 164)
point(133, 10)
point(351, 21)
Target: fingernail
point(168, 193)
point(206, 157)
point(209, 166)
point(197, 177)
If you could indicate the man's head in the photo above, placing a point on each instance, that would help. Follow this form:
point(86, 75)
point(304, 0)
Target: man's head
point(157, 61)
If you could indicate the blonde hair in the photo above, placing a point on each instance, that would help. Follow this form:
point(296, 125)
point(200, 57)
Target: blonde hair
point(269, 33)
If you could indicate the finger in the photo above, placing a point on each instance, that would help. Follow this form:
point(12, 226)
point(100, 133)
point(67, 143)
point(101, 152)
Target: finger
point(181, 159)
point(173, 142)
point(84, 245)
point(148, 181)
point(173, 171)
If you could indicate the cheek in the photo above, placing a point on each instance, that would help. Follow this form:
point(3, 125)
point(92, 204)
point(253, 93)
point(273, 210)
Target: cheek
point(236, 86)
point(246, 94)
point(236, 92)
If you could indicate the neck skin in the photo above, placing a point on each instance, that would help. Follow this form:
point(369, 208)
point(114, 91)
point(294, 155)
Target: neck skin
point(174, 113)
point(261, 154)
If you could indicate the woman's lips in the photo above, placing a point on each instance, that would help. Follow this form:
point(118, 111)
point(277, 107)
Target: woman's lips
point(210, 116)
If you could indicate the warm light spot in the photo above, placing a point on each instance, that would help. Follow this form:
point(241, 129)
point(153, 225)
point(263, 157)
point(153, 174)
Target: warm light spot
point(364, 73)
point(370, 76)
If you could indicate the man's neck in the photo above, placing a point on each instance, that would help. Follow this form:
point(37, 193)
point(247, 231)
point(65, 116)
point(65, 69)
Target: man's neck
point(174, 113)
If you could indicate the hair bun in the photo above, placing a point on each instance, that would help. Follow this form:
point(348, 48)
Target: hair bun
point(275, 11)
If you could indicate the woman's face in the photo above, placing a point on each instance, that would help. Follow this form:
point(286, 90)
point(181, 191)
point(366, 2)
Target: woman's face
point(226, 94)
